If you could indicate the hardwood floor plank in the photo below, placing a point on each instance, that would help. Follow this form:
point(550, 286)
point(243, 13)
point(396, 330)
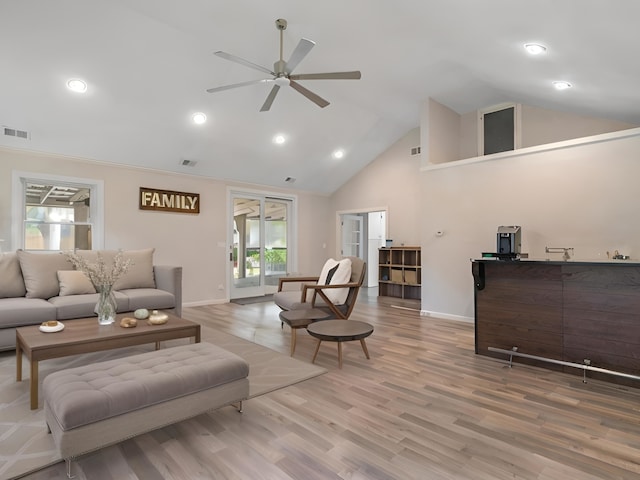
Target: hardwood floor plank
point(423, 407)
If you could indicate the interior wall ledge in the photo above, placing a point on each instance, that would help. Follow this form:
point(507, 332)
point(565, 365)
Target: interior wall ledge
point(601, 138)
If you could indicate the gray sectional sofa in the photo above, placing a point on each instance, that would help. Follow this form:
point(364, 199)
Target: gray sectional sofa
point(36, 287)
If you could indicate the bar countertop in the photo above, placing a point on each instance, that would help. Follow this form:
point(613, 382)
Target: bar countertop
point(572, 261)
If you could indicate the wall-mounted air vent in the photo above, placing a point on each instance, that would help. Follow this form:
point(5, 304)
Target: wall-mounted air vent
point(415, 151)
point(188, 163)
point(14, 132)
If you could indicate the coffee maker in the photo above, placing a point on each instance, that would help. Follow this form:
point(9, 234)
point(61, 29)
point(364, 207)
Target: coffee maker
point(509, 240)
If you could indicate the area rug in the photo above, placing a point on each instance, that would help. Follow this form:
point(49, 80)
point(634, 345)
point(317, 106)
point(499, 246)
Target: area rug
point(25, 445)
point(250, 300)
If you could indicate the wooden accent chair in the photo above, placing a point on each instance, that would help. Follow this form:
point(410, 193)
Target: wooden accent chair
point(310, 303)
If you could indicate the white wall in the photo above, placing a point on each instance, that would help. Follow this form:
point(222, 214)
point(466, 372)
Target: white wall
point(581, 194)
point(539, 126)
point(391, 182)
point(179, 239)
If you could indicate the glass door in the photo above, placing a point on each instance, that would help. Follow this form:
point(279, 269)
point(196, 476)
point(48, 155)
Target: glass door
point(246, 253)
point(277, 244)
point(260, 243)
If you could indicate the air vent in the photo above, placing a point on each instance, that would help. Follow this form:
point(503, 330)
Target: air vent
point(14, 132)
point(188, 163)
point(415, 151)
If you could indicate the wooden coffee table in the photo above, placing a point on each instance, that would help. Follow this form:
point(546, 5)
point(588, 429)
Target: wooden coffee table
point(340, 331)
point(86, 336)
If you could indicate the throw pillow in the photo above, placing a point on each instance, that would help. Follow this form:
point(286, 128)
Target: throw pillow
point(40, 273)
point(341, 274)
point(11, 282)
point(331, 273)
point(140, 274)
point(74, 282)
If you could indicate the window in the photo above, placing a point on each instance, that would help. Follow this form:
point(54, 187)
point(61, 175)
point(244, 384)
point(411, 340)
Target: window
point(499, 131)
point(57, 213)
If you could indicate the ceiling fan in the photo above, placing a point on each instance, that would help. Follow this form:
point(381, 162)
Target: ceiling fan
point(282, 72)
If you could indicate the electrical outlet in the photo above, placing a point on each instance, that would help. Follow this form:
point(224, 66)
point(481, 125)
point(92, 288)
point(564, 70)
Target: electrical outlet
point(221, 287)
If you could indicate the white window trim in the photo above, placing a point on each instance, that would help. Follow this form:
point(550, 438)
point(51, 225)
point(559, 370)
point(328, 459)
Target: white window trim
point(96, 207)
point(517, 124)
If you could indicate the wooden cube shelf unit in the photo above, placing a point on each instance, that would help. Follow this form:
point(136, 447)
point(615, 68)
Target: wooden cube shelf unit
point(399, 272)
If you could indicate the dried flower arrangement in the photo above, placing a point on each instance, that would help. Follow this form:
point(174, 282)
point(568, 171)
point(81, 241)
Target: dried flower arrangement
point(103, 277)
point(99, 273)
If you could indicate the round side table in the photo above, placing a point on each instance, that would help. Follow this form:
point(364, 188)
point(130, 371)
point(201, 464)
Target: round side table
point(340, 331)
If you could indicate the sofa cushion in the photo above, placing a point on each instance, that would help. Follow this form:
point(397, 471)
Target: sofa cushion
point(11, 282)
point(140, 273)
point(21, 311)
point(149, 298)
point(40, 272)
point(74, 282)
point(82, 306)
point(292, 300)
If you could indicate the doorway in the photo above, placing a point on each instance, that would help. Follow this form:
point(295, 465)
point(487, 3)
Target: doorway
point(361, 235)
point(261, 249)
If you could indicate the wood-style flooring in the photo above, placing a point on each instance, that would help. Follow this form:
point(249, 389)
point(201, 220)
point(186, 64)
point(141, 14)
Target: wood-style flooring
point(423, 407)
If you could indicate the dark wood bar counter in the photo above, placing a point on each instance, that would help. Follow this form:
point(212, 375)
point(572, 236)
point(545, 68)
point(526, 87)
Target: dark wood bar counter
point(568, 311)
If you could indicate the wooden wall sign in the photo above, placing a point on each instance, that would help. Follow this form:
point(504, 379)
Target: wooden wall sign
point(169, 201)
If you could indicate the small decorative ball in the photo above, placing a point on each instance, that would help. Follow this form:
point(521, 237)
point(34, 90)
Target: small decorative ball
point(141, 313)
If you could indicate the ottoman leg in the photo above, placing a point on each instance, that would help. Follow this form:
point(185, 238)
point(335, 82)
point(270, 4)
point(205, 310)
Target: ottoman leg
point(339, 354)
point(364, 347)
point(68, 461)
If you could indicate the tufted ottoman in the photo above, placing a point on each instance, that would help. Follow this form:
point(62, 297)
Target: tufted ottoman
point(96, 405)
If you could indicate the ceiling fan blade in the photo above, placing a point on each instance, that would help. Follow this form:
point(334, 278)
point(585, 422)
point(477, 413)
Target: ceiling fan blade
point(237, 85)
point(302, 49)
point(321, 102)
point(355, 75)
point(242, 61)
point(270, 98)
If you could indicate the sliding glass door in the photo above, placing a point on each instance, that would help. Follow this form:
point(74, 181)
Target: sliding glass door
point(260, 252)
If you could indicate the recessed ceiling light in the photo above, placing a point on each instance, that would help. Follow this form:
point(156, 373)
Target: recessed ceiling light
point(199, 118)
point(535, 48)
point(77, 85)
point(279, 139)
point(561, 85)
point(338, 154)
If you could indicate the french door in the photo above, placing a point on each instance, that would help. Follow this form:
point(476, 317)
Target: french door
point(260, 234)
point(352, 236)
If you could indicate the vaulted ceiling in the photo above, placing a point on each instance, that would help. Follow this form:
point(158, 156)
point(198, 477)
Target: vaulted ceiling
point(148, 63)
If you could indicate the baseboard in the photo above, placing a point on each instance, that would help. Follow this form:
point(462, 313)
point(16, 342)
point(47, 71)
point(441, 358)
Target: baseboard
point(446, 316)
point(205, 302)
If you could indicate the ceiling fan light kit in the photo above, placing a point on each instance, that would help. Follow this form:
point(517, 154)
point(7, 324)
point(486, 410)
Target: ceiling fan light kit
point(281, 75)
